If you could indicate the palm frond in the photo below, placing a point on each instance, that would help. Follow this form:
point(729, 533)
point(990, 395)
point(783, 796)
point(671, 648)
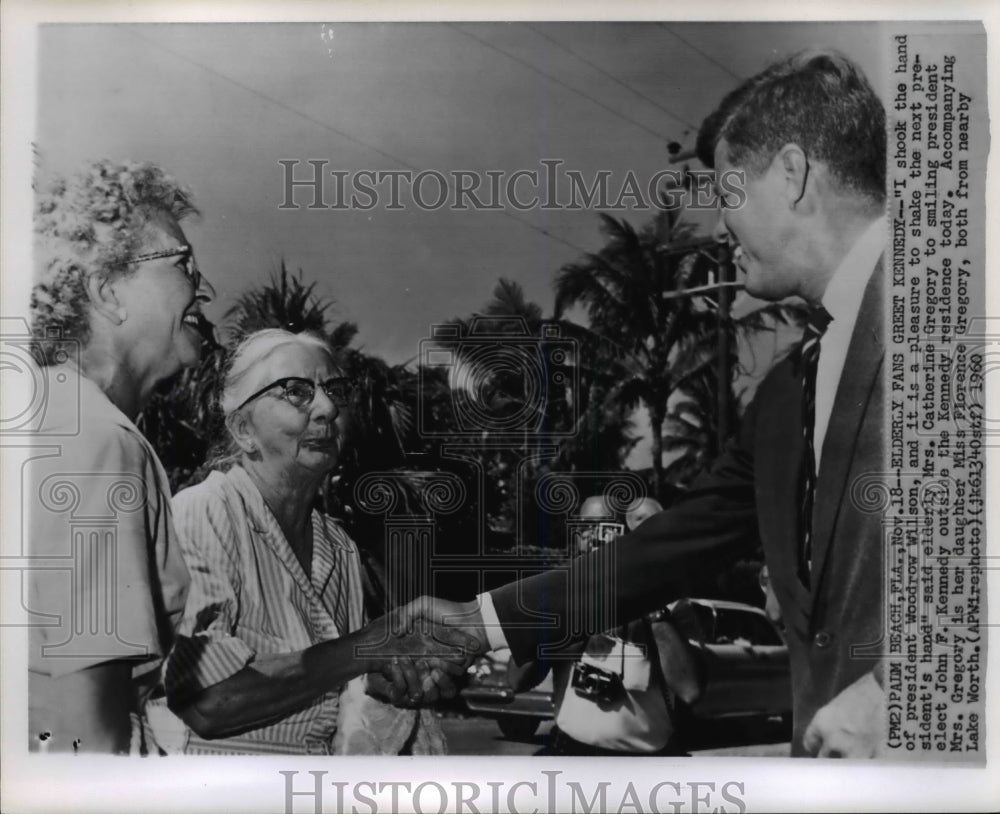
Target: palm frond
point(284, 302)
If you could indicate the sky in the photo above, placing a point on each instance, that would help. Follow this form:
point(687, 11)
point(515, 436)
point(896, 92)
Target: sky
point(220, 105)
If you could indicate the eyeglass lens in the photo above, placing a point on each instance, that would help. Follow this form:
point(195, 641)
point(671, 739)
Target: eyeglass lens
point(301, 392)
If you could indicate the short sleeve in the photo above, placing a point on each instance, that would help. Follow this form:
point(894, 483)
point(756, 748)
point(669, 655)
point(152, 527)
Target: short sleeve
point(91, 536)
point(206, 651)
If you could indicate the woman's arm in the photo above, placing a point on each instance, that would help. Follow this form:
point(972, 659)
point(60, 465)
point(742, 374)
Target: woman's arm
point(221, 686)
point(272, 687)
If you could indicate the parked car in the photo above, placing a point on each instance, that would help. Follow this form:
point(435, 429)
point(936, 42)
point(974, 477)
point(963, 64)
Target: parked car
point(744, 656)
point(489, 694)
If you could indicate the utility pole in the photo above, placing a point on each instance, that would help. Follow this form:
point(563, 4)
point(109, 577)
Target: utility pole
point(724, 285)
point(724, 369)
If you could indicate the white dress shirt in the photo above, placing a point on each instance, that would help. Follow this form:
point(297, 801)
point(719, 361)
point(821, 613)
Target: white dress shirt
point(842, 299)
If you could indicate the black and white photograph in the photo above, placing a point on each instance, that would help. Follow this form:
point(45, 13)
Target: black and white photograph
point(401, 406)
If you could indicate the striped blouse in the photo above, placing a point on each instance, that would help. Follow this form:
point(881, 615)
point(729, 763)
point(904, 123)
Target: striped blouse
point(249, 595)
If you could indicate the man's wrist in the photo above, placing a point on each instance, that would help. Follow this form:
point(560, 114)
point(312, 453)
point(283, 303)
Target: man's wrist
point(474, 626)
point(490, 623)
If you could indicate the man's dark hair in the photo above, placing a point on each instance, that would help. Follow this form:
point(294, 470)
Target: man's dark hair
point(818, 100)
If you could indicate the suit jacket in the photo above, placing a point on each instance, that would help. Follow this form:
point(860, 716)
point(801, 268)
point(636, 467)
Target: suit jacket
point(754, 482)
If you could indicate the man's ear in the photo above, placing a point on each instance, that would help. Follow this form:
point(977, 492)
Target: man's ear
point(101, 292)
point(795, 167)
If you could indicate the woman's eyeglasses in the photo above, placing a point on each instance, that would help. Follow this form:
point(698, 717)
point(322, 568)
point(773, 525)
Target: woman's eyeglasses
point(300, 392)
point(190, 267)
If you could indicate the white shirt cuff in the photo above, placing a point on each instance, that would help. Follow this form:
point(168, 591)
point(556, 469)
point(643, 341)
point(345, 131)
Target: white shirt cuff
point(491, 622)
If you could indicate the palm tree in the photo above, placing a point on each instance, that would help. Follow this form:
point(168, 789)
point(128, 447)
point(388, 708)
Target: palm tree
point(627, 289)
point(661, 340)
point(690, 431)
point(498, 350)
point(381, 416)
point(286, 302)
point(183, 421)
point(508, 299)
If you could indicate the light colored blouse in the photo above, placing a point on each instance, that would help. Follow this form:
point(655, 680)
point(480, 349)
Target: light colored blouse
point(108, 580)
point(249, 595)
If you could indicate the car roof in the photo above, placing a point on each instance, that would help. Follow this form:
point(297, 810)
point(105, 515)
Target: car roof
point(725, 604)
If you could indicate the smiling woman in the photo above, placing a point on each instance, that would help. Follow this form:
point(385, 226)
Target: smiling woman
point(116, 308)
point(273, 642)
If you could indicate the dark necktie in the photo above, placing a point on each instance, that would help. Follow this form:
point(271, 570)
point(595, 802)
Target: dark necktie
point(816, 326)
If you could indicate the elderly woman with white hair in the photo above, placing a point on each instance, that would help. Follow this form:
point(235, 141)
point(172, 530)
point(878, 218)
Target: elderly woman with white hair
point(273, 645)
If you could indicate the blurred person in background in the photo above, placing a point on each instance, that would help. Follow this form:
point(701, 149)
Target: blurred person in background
point(617, 693)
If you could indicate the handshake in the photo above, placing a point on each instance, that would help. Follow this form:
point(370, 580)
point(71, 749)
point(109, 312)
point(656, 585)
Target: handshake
point(418, 653)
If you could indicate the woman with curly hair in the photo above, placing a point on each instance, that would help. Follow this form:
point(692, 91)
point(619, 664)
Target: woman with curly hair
point(116, 309)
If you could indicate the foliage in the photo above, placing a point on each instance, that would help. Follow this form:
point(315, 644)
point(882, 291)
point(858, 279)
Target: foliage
point(653, 337)
point(658, 346)
point(182, 419)
point(183, 422)
point(285, 302)
point(643, 346)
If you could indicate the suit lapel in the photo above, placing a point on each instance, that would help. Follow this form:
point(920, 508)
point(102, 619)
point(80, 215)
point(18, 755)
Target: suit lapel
point(778, 455)
point(862, 368)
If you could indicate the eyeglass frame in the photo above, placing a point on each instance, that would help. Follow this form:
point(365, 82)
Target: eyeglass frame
point(315, 385)
point(191, 270)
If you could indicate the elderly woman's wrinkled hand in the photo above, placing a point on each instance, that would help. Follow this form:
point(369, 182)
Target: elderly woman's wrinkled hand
point(419, 666)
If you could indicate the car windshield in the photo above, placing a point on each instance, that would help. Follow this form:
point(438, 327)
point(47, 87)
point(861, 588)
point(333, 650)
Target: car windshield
point(694, 620)
point(734, 625)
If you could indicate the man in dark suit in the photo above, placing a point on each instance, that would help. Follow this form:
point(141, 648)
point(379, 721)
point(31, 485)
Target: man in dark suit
point(808, 134)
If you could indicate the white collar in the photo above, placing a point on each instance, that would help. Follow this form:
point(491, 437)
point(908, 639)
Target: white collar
point(93, 401)
point(842, 298)
point(263, 518)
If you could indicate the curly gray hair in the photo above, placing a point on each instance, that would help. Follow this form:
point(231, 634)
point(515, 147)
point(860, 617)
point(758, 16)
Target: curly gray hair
point(92, 223)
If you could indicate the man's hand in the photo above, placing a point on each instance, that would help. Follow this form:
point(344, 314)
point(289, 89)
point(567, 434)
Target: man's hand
point(418, 666)
point(380, 687)
point(433, 643)
point(852, 725)
point(462, 616)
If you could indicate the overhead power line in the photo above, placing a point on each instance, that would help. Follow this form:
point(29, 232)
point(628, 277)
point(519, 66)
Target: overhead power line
point(658, 135)
point(609, 75)
point(701, 53)
point(330, 128)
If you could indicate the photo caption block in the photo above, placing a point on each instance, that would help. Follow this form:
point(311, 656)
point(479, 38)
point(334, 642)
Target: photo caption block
point(940, 343)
